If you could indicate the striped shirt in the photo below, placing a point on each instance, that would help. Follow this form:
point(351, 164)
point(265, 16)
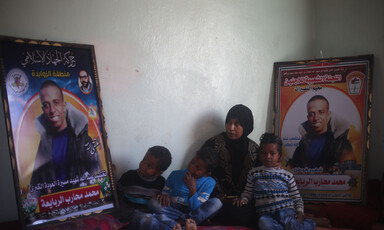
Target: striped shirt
point(273, 189)
point(138, 189)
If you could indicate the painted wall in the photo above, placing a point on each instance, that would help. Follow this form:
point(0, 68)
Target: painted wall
point(170, 70)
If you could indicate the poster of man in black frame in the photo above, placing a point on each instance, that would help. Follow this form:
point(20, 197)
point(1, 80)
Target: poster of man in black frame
point(322, 114)
point(56, 130)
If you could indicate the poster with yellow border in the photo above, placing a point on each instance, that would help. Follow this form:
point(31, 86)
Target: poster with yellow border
point(322, 115)
point(57, 138)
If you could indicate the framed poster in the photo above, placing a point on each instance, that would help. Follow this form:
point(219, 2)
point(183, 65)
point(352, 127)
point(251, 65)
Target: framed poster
point(56, 133)
point(322, 114)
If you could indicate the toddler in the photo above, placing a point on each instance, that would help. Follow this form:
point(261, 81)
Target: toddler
point(277, 200)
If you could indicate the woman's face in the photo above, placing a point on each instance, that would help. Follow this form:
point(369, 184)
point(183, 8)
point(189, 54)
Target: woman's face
point(233, 129)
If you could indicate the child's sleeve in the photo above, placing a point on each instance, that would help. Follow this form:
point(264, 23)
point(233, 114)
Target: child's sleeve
point(169, 184)
point(202, 195)
point(248, 189)
point(295, 195)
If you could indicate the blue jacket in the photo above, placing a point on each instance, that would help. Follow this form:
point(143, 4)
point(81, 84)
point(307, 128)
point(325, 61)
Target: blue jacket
point(179, 192)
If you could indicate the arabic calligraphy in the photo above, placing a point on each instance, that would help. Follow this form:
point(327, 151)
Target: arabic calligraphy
point(69, 198)
point(323, 182)
point(308, 170)
point(308, 88)
point(92, 146)
point(48, 57)
point(291, 141)
point(62, 184)
point(49, 73)
point(311, 80)
point(298, 72)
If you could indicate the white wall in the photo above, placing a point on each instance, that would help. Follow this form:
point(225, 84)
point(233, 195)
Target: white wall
point(170, 70)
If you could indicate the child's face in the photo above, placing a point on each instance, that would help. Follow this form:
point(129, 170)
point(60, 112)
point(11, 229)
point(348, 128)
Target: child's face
point(148, 166)
point(269, 155)
point(198, 168)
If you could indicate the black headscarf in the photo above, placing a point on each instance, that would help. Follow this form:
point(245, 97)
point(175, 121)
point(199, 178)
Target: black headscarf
point(238, 149)
point(244, 116)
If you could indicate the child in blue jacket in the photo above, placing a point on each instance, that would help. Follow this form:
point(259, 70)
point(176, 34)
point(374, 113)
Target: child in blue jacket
point(185, 195)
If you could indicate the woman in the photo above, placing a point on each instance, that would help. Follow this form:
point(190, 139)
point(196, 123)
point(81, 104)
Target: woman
point(237, 154)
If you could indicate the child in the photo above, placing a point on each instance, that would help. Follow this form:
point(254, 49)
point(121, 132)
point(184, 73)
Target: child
point(277, 200)
point(140, 185)
point(185, 196)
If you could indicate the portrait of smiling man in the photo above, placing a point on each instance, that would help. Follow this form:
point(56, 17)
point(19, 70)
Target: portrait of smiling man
point(65, 150)
point(324, 137)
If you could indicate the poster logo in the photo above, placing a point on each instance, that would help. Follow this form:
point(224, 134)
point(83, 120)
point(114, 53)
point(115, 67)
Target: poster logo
point(17, 81)
point(355, 82)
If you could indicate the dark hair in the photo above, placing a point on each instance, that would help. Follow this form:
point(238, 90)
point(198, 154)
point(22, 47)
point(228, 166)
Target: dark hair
point(318, 97)
point(84, 71)
point(48, 83)
point(209, 156)
point(270, 138)
point(163, 155)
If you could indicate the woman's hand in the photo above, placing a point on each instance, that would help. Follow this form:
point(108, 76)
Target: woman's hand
point(222, 196)
point(163, 200)
point(240, 202)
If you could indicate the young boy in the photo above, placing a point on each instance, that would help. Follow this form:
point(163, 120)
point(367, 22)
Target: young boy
point(185, 195)
point(277, 200)
point(140, 185)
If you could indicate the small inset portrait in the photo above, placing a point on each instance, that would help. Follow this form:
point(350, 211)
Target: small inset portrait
point(85, 82)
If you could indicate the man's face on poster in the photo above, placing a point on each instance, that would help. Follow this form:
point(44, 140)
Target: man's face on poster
point(84, 78)
point(318, 115)
point(54, 107)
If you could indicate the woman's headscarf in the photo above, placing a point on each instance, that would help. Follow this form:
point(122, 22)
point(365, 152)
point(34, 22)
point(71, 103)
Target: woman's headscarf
point(238, 149)
point(244, 116)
